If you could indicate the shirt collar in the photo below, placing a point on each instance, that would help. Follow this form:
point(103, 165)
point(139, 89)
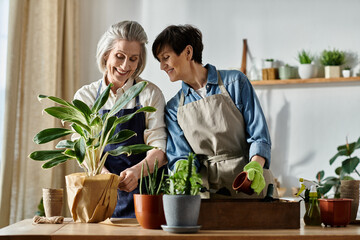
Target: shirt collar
point(129, 83)
point(211, 79)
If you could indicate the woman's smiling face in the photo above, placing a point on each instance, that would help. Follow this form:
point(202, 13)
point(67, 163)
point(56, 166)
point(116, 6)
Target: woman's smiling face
point(122, 61)
point(174, 65)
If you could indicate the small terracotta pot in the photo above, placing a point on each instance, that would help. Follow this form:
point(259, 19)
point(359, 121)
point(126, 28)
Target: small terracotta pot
point(243, 184)
point(149, 210)
point(335, 211)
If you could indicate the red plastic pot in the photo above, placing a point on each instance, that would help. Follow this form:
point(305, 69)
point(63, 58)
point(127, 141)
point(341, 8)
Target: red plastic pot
point(335, 211)
point(149, 211)
point(243, 184)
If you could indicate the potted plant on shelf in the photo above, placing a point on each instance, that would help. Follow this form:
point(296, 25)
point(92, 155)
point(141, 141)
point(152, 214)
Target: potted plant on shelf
point(287, 72)
point(307, 68)
point(346, 72)
point(92, 196)
point(149, 209)
point(268, 63)
point(332, 59)
point(182, 200)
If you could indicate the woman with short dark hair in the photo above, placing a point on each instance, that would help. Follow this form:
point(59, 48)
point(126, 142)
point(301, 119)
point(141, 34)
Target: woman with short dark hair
point(216, 115)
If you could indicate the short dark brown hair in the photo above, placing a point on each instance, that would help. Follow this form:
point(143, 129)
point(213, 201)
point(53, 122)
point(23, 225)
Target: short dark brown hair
point(178, 37)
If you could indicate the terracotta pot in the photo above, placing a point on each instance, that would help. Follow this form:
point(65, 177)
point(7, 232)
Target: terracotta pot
point(350, 189)
point(243, 184)
point(335, 211)
point(149, 210)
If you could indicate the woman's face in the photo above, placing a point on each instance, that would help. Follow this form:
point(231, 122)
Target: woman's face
point(122, 61)
point(175, 66)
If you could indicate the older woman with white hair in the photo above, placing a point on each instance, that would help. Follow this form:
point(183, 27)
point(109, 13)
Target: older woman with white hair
point(121, 57)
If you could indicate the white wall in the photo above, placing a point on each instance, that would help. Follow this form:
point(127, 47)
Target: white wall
point(307, 122)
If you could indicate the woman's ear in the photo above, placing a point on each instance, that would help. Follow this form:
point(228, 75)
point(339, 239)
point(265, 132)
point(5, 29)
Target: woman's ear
point(189, 52)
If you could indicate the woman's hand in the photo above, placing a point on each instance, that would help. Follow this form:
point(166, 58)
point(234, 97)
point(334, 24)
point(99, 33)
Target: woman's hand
point(130, 179)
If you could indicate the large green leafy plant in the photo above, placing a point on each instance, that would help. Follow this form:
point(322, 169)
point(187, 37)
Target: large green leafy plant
point(184, 179)
point(348, 167)
point(332, 57)
point(95, 131)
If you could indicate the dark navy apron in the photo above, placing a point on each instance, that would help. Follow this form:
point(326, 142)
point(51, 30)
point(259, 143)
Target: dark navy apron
point(116, 164)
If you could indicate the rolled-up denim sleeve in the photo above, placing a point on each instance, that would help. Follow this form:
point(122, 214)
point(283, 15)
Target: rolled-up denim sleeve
point(258, 134)
point(177, 147)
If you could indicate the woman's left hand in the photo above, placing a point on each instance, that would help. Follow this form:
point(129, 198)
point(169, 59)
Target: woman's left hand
point(130, 179)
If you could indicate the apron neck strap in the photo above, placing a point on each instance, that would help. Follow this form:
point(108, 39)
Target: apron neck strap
point(221, 86)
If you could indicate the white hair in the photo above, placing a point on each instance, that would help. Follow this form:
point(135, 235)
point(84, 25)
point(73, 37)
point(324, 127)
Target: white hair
point(126, 30)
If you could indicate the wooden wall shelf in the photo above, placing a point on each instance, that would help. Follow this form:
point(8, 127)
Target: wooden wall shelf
point(302, 81)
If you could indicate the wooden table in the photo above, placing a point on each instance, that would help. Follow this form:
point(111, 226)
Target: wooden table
point(71, 231)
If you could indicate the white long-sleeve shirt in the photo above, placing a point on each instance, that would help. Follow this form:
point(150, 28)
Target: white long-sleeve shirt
point(155, 132)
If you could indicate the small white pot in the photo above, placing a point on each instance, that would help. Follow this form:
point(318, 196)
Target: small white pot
point(268, 64)
point(346, 73)
point(307, 71)
point(332, 71)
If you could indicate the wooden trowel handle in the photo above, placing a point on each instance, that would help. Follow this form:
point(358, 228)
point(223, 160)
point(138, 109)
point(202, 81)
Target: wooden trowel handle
point(243, 61)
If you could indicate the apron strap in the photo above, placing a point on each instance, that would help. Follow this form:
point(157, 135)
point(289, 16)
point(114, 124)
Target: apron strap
point(221, 86)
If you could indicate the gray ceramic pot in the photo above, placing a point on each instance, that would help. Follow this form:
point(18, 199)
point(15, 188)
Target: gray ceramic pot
point(181, 210)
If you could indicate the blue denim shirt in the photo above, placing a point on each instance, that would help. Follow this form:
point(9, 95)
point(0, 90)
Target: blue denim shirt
point(245, 99)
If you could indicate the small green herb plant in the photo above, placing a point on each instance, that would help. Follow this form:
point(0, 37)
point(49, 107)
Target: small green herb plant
point(269, 60)
point(347, 68)
point(304, 57)
point(152, 186)
point(184, 179)
point(95, 131)
point(348, 166)
point(332, 57)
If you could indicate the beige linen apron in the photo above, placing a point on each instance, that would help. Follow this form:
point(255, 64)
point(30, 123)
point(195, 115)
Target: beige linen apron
point(215, 129)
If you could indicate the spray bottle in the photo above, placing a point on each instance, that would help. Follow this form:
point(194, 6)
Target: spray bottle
point(312, 215)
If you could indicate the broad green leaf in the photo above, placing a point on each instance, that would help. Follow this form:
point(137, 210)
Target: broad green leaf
point(50, 134)
point(338, 171)
point(357, 144)
point(65, 144)
point(325, 188)
point(80, 149)
point(70, 153)
point(350, 164)
point(110, 126)
point(56, 100)
point(132, 149)
point(101, 100)
point(68, 114)
point(320, 175)
point(78, 129)
point(127, 117)
point(83, 108)
point(127, 97)
point(347, 150)
point(45, 155)
point(56, 161)
point(121, 136)
point(61, 101)
point(96, 121)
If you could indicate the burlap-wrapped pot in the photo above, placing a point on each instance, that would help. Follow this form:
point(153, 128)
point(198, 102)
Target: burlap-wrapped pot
point(350, 189)
point(91, 199)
